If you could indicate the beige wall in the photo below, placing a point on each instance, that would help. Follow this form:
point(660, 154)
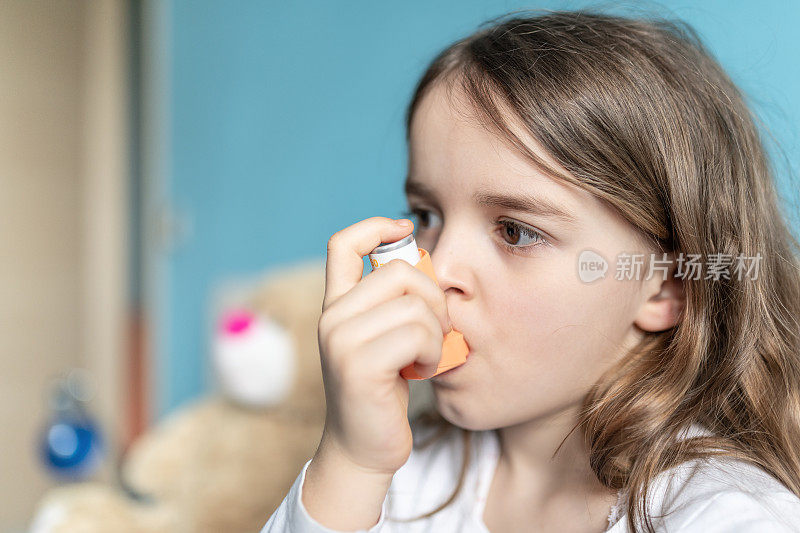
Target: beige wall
point(62, 216)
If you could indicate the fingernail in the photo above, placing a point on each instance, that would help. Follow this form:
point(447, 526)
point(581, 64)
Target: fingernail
point(404, 222)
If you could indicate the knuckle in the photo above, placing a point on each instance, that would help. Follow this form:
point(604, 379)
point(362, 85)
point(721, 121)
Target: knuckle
point(417, 304)
point(330, 316)
point(398, 266)
point(322, 324)
point(390, 268)
point(333, 241)
point(336, 342)
point(324, 338)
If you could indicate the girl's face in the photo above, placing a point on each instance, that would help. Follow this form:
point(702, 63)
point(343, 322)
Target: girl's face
point(539, 335)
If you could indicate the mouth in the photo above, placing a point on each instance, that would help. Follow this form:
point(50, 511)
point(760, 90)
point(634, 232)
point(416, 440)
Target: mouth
point(453, 369)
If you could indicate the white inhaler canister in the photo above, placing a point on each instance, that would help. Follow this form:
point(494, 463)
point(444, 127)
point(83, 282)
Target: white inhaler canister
point(405, 249)
point(454, 347)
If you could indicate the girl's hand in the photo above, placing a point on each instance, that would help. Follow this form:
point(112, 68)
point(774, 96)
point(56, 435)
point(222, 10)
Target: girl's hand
point(369, 330)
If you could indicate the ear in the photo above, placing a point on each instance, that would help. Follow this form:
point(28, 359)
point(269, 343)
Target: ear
point(665, 301)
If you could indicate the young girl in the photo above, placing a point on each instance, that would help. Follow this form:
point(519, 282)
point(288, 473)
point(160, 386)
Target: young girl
point(602, 220)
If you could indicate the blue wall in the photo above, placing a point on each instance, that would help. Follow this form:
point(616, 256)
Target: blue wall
point(284, 125)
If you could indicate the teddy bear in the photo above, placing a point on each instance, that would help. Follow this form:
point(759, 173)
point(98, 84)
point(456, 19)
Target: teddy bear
point(220, 463)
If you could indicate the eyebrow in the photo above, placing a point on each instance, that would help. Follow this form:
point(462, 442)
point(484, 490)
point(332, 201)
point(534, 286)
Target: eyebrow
point(529, 204)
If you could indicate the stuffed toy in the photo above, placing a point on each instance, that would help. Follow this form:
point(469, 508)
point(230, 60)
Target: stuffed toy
point(226, 461)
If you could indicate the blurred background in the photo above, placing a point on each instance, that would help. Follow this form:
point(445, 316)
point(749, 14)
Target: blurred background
point(160, 157)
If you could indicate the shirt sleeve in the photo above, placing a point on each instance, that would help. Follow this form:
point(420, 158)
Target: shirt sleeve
point(740, 512)
point(292, 517)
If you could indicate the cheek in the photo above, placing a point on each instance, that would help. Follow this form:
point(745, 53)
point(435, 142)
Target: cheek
point(557, 327)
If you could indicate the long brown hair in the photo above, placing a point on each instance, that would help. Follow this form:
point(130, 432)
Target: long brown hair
point(641, 115)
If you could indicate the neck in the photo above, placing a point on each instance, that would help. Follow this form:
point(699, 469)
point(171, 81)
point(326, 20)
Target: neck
point(527, 456)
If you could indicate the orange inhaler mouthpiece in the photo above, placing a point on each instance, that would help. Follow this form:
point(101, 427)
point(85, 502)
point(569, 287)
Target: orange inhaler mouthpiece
point(454, 347)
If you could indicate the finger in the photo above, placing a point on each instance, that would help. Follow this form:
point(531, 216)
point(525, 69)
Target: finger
point(410, 343)
point(379, 320)
point(394, 279)
point(347, 248)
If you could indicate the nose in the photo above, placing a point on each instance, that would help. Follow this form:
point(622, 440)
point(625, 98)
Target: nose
point(450, 258)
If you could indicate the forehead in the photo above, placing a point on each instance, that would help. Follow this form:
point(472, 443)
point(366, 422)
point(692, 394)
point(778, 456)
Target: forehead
point(450, 149)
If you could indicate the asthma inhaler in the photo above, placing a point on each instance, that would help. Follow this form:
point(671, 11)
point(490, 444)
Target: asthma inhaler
point(454, 348)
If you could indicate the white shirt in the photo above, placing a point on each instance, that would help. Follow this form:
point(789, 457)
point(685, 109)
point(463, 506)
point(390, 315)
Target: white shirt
point(716, 495)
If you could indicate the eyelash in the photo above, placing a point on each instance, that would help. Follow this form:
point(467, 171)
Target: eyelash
point(518, 250)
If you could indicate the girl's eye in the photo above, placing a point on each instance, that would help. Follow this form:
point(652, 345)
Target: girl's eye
point(509, 230)
point(422, 215)
point(518, 232)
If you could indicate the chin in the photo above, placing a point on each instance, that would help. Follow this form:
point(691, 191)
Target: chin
point(461, 413)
